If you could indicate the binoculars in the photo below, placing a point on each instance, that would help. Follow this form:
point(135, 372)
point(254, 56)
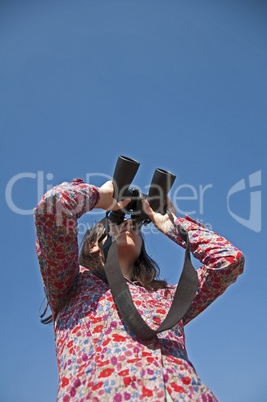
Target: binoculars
point(123, 176)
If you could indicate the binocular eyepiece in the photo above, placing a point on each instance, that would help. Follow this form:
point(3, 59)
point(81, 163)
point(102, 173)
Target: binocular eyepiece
point(123, 176)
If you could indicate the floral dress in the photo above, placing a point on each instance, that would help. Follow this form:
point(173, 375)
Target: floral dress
point(98, 357)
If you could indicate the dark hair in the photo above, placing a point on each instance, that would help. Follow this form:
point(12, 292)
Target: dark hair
point(48, 319)
point(145, 271)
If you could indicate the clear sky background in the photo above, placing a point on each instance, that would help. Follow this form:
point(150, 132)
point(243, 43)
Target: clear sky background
point(175, 84)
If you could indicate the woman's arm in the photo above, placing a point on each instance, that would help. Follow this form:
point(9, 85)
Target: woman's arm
point(57, 246)
point(56, 226)
point(222, 262)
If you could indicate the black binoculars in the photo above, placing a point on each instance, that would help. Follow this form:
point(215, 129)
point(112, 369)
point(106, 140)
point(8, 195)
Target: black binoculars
point(123, 176)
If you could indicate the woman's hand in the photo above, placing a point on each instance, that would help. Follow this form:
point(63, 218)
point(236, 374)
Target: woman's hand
point(161, 222)
point(107, 201)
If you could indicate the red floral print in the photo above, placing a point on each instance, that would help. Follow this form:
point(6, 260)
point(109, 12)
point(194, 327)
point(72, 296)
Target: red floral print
point(98, 357)
point(64, 382)
point(147, 392)
point(124, 372)
point(106, 373)
point(186, 380)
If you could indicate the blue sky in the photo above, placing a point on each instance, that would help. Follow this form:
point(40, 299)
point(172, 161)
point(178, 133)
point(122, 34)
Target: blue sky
point(179, 85)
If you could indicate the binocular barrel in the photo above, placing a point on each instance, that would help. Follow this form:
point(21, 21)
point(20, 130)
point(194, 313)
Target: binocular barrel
point(160, 186)
point(123, 176)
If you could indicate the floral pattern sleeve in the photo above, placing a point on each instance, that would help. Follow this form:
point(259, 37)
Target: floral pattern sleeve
point(57, 246)
point(222, 263)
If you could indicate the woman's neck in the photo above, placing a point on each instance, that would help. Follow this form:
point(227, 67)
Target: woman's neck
point(126, 268)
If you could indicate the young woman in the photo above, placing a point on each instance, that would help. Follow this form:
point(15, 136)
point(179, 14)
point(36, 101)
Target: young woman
point(99, 358)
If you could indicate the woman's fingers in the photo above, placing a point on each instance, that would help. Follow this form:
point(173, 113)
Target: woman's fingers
point(151, 214)
point(121, 204)
point(148, 210)
point(161, 222)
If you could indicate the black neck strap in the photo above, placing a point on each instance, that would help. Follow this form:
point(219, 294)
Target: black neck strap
point(184, 295)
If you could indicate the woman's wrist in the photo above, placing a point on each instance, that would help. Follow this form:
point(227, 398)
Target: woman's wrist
point(103, 201)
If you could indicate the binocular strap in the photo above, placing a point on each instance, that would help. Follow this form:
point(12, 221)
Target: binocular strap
point(184, 295)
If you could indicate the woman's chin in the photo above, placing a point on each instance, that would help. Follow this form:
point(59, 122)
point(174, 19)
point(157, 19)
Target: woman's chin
point(125, 241)
point(126, 245)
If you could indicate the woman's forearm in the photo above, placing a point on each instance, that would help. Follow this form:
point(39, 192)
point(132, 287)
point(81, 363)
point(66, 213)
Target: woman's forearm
point(56, 227)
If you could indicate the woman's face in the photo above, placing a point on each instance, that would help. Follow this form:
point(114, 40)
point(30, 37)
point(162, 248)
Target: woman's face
point(128, 240)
